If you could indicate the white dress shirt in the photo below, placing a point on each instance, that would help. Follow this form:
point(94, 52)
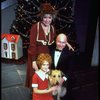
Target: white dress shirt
point(56, 57)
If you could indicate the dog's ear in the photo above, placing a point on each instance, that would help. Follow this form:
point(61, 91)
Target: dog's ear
point(49, 73)
point(62, 74)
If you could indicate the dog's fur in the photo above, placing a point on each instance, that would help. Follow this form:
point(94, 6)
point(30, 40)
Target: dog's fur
point(55, 77)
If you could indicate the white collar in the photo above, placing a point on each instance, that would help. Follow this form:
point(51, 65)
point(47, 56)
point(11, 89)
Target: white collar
point(42, 74)
point(57, 52)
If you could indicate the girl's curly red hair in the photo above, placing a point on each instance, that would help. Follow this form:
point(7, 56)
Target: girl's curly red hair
point(43, 57)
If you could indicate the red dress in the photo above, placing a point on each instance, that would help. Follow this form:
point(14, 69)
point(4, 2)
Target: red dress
point(41, 83)
point(37, 45)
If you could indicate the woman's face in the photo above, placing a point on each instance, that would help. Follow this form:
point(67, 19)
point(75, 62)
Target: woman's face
point(47, 19)
point(45, 66)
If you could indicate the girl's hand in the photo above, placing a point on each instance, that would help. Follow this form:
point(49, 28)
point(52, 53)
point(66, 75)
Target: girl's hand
point(54, 88)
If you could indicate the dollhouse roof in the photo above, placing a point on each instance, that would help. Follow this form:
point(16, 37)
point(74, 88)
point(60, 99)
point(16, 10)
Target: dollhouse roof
point(10, 37)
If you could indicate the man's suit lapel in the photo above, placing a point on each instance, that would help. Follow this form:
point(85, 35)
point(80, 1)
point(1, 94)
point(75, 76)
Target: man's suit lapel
point(62, 56)
point(60, 59)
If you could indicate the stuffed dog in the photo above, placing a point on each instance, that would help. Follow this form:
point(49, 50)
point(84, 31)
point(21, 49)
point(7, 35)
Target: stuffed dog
point(55, 77)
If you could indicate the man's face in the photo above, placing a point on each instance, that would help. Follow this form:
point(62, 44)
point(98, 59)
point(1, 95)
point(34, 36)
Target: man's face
point(61, 42)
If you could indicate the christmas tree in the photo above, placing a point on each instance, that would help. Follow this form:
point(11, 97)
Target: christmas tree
point(27, 12)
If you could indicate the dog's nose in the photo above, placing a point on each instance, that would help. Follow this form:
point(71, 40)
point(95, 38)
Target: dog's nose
point(57, 83)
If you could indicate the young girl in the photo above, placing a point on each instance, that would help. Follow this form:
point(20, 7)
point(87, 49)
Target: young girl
point(40, 79)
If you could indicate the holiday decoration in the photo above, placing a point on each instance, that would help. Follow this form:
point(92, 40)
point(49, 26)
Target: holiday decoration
point(27, 13)
point(11, 46)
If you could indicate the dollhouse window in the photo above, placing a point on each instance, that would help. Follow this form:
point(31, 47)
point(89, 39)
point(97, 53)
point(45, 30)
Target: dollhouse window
point(13, 55)
point(5, 46)
point(5, 54)
point(13, 47)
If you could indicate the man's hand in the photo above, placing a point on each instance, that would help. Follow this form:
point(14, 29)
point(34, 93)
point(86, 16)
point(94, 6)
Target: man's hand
point(69, 46)
point(61, 81)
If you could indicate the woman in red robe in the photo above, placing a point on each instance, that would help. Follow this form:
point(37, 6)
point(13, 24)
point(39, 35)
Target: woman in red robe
point(41, 36)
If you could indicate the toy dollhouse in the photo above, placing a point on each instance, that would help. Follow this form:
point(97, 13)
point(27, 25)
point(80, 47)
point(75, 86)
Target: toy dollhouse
point(11, 46)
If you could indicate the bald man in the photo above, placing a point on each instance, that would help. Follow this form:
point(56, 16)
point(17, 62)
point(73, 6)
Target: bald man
point(61, 52)
point(61, 42)
point(62, 55)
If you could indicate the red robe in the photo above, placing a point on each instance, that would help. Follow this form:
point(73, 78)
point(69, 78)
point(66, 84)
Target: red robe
point(37, 45)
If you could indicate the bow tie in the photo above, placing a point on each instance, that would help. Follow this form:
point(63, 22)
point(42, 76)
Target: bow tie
point(57, 50)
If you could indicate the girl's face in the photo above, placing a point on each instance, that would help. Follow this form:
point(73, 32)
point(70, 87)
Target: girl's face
point(45, 66)
point(47, 19)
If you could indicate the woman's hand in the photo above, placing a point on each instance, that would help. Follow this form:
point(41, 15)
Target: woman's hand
point(34, 65)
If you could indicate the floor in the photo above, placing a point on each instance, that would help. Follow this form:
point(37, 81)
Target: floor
point(13, 80)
